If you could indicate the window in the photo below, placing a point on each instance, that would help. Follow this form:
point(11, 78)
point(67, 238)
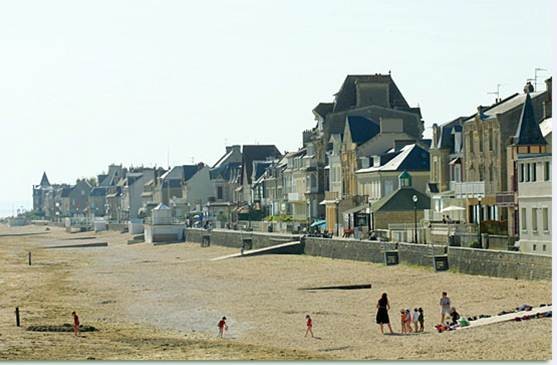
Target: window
point(527, 169)
point(481, 170)
point(533, 172)
point(219, 192)
point(523, 219)
point(544, 247)
point(534, 247)
point(481, 140)
point(545, 219)
point(491, 139)
point(547, 171)
point(521, 173)
point(535, 219)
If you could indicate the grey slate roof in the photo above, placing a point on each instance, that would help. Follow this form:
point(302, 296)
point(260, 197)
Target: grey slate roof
point(346, 96)
point(361, 129)
point(98, 191)
point(224, 171)
point(44, 181)
point(66, 192)
point(445, 141)
point(252, 153)
point(401, 200)
point(409, 158)
point(528, 131)
point(322, 109)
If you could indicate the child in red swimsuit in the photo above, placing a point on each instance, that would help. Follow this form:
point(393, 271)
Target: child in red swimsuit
point(309, 324)
point(75, 324)
point(222, 327)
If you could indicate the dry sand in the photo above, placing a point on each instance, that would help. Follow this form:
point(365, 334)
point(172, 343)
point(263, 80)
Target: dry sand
point(163, 302)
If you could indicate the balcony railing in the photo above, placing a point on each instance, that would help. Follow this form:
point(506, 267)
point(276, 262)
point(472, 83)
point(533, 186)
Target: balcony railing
point(505, 199)
point(295, 197)
point(468, 189)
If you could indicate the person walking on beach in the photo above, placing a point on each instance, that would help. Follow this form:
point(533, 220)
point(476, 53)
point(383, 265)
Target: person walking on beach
point(421, 319)
point(382, 316)
point(415, 319)
point(309, 325)
point(222, 327)
point(75, 324)
point(408, 320)
point(445, 304)
point(403, 321)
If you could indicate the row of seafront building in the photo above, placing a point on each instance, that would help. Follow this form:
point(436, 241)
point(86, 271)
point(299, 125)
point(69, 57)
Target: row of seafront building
point(364, 164)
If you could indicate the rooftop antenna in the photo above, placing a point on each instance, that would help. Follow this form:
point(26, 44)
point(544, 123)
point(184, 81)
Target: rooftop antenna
point(168, 157)
point(536, 70)
point(496, 92)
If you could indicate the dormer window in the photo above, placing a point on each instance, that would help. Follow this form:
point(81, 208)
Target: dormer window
point(405, 180)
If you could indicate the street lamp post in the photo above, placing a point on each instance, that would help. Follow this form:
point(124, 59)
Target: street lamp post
point(480, 221)
point(415, 200)
point(336, 210)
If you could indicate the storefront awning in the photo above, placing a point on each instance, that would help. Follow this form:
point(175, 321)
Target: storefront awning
point(325, 202)
point(455, 161)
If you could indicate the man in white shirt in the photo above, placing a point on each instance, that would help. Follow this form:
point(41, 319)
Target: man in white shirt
point(445, 304)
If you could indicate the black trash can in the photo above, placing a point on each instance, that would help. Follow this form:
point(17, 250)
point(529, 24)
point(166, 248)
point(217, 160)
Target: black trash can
point(441, 263)
point(247, 244)
point(391, 258)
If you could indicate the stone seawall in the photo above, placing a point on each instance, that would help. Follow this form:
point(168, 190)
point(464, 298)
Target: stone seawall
point(347, 249)
point(230, 238)
point(464, 260)
point(506, 264)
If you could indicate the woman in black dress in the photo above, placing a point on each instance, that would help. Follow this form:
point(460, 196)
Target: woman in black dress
point(382, 316)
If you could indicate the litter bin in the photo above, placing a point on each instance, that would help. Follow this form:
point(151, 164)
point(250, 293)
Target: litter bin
point(391, 258)
point(441, 263)
point(247, 244)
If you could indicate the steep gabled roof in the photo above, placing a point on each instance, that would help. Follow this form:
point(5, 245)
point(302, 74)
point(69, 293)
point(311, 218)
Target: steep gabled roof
point(445, 141)
point(361, 129)
point(260, 167)
point(322, 109)
point(252, 153)
point(223, 171)
point(44, 181)
point(528, 132)
point(346, 96)
point(401, 200)
point(409, 158)
point(184, 172)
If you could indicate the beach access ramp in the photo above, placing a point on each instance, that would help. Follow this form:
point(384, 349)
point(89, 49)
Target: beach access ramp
point(506, 317)
point(74, 244)
point(294, 247)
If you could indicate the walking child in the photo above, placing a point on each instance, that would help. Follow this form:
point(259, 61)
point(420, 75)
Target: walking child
point(309, 324)
point(403, 322)
point(222, 327)
point(415, 319)
point(408, 320)
point(75, 324)
point(421, 319)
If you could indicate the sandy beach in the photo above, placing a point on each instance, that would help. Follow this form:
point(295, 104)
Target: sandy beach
point(163, 302)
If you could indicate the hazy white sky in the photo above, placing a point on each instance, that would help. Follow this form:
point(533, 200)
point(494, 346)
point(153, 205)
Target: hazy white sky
point(85, 84)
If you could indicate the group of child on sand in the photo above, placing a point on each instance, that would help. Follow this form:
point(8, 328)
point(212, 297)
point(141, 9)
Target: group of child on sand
point(407, 318)
point(222, 326)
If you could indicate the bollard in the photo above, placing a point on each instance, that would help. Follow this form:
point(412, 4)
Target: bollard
point(17, 316)
point(29, 258)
